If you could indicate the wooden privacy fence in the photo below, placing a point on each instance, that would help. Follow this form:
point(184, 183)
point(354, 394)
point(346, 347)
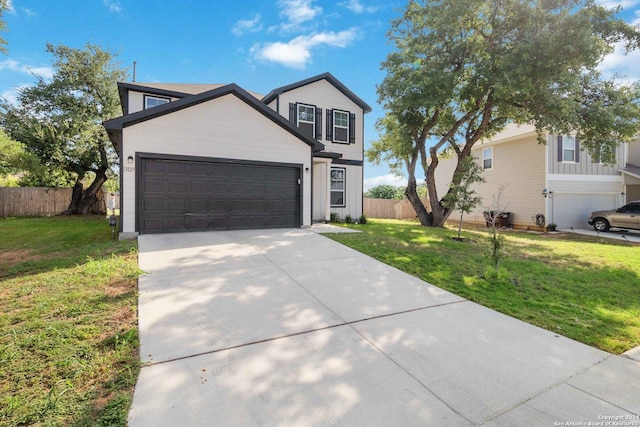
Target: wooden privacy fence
point(39, 201)
point(393, 209)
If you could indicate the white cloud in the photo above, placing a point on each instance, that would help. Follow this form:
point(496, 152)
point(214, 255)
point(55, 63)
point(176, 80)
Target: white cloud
point(610, 4)
point(11, 95)
point(28, 12)
point(297, 52)
point(357, 7)
point(636, 21)
point(248, 25)
point(298, 11)
point(113, 5)
point(388, 179)
point(621, 63)
point(15, 66)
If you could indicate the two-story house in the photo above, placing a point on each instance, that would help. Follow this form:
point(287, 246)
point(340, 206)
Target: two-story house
point(558, 179)
point(217, 157)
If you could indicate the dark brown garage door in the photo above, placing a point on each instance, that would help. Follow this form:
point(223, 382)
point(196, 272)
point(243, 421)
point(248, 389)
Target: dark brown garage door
point(192, 195)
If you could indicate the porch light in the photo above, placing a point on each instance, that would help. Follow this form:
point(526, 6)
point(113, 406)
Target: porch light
point(130, 159)
point(307, 170)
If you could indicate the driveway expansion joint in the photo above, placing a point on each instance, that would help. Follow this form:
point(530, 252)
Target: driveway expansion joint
point(295, 334)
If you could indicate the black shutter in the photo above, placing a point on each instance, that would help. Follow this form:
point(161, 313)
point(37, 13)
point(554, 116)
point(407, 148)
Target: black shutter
point(329, 133)
point(352, 128)
point(292, 113)
point(577, 150)
point(559, 148)
point(318, 123)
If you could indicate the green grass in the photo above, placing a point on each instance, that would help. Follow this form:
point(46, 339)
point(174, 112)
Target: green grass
point(587, 289)
point(68, 334)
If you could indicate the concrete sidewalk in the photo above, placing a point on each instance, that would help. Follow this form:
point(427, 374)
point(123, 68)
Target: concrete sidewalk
point(287, 327)
point(632, 236)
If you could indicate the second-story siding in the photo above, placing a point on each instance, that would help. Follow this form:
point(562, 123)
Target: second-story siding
point(585, 164)
point(324, 95)
point(633, 150)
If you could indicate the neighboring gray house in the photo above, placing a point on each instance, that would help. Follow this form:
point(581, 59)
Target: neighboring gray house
point(557, 179)
point(216, 157)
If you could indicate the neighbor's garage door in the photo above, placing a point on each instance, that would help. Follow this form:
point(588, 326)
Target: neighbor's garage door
point(187, 195)
point(573, 210)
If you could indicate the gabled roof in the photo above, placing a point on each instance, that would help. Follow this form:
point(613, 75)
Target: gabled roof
point(326, 76)
point(114, 126)
point(174, 90)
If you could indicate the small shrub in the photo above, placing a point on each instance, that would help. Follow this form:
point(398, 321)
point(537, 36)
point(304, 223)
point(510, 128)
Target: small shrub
point(363, 219)
point(334, 217)
point(348, 219)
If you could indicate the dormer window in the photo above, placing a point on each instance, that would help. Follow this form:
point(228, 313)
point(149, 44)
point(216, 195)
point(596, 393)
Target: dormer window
point(154, 101)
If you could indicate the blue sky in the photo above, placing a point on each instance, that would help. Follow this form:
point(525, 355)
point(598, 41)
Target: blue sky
point(259, 45)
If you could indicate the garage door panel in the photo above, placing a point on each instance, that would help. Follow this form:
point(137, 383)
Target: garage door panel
point(177, 168)
point(175, 205)
point(176, 187)
point(573, 209)
point(185, 195)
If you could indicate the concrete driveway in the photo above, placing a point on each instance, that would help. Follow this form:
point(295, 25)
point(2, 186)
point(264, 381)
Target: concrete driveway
point(288, 328)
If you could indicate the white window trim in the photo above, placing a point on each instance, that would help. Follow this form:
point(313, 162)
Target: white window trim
point(161, 98)
point(341, 127)
point(313, 121)
point(575, 151)
point(344, 188)
point(490, 150)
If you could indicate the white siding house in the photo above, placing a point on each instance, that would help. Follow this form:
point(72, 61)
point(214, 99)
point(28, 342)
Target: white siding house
point(200, 157)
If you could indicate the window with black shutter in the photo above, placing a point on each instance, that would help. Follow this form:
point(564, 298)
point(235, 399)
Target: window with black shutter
point(308, 118)
point(341, 126)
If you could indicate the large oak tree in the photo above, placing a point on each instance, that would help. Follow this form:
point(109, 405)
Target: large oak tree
point(60, 120)
point(462, 70)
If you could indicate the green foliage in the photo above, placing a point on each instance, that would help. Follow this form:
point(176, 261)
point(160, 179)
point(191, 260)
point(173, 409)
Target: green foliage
point(9, 181)
point(334, 217)
point(462, 70)
point(461, 196)
point(496, 247)
point(579, 286)
point(60, 121)
point(4, 5)
point(363, 219)
point(348, 219)
point(382, 191)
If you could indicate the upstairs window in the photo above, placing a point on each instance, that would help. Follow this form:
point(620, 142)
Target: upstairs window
point(338, 187)
point(306, 119)
point(568, 149)
point(340, 126)
point(487, 158)
point(154, 101)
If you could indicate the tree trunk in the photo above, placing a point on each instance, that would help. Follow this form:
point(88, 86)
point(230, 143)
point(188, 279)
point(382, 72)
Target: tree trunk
point(423, 215)
point(83, 199)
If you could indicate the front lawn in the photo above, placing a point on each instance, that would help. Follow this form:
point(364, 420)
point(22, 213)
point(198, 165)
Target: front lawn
point(68, 334)
point(584, 288)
